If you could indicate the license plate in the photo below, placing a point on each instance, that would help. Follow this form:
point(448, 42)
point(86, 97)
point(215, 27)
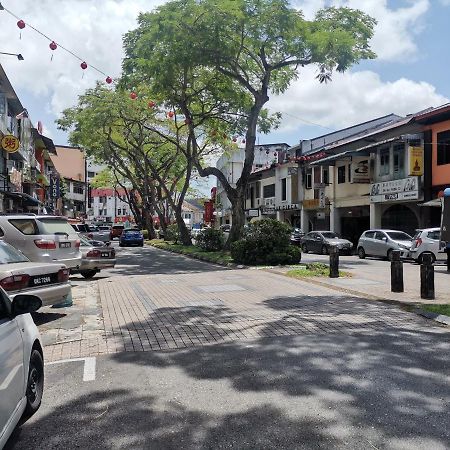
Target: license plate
point(65, 245)
point(39, 281)
point(105, 255)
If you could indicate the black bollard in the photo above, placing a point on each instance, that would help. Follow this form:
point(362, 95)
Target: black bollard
point(448, 259)
point(427, 277)
point(396, 272)
point(334, 261)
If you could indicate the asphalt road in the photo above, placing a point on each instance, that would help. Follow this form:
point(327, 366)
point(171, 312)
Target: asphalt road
point(353, 392)
point(388, 388)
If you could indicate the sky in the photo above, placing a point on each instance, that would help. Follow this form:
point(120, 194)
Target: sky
point(409, 74)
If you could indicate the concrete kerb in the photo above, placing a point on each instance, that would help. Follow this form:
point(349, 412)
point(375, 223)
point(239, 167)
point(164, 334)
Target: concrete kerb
point(200, 258)
point(439, 318)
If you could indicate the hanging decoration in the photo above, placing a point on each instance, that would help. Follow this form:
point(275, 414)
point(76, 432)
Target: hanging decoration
point(151, 104)
point(133, 95)
point(170, 114)
point(108, 80)
point(53, 46)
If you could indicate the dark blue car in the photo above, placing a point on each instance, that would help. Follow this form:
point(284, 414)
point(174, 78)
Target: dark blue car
point(131, 237)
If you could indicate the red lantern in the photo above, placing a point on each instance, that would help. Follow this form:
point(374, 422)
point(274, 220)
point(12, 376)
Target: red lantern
point(170, 114)
point(108, 80)
point(151, 104)
point(83, 65)
point(133, 95)
point(21, 24)
point(53, 45)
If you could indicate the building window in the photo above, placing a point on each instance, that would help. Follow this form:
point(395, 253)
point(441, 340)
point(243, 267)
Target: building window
point(269, 191)
point(384, 162)
point(325, 176)
point(283, 189)
point(443, 148)
point(308, 181)
point(341, 174)
point(399, 161)
point(91, 174)
point(77, 189)
point(119, 212)
point(187, 215)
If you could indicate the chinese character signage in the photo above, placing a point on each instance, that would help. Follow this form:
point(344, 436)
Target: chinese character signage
point(415, 161)
point(404, 189)
point(10, 143)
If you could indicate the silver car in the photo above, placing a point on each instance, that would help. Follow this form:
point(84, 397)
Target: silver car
point(96, 256)
point(427, 241)
point(91, 232)
point(48, 282)
point(42, 238)
point(382, 242)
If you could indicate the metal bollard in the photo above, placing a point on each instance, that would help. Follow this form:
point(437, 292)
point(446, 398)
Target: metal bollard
point(396, 272)
point(334, 262)
point(448, 259)
point(427, 277)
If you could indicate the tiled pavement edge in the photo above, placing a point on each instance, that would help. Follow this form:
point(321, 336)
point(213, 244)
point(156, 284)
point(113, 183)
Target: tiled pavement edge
point(158, 312)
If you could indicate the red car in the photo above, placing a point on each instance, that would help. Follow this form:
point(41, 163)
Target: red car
point(116, 231)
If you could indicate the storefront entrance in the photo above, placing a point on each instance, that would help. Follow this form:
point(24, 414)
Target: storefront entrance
point(400, 217)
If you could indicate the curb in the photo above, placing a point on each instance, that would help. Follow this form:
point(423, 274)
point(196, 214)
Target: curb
point(201, 258)
point(443, 320)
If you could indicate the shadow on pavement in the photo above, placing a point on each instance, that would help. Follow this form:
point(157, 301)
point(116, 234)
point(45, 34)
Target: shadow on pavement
point(380, 386)
point(40, 318)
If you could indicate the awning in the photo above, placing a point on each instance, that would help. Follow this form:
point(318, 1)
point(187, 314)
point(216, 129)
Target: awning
point(43, 142)
point(436, 202)
point(25, 199)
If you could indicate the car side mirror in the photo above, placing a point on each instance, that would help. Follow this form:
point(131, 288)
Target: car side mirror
point(23, 304)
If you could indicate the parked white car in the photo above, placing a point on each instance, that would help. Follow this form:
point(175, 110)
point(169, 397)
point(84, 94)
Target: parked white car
point(49, 282)
point(42, 238)
point(383, 242)
point(427, 241)
point(21, 362)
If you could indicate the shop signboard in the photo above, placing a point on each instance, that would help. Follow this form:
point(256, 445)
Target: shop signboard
point(312, 203)
point(322, 198)
point(395, 190)
point(54, 187)
point(287, 207)
point(415, 161)
point(360, 171)
point(267, 211)
point(10, 143)
point(252, 212)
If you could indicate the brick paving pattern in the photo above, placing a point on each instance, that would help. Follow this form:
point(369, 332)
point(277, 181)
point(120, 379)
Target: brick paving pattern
point(160, 312)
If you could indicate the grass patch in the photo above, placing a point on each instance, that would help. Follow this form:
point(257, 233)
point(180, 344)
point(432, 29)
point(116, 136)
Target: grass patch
point(313, 270)
point(438, 309)
point(219, 257)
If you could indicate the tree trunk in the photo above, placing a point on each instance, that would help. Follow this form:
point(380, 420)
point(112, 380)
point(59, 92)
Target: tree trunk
point(148, 224)
point(185, 235)
point(238, 218)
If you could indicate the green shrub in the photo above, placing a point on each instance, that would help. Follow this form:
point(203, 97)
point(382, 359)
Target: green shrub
point(210, 240)
point(145, 233)
point(172, 233)
point(266, 242)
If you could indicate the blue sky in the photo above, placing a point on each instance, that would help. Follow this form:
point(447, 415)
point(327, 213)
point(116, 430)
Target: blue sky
point(410, 73)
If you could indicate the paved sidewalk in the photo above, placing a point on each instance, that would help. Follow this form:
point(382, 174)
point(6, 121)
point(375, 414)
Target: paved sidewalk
point(158, 312)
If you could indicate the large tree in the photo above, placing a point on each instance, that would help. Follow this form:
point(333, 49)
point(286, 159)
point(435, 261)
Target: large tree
point(139, 143)
point(218, 62)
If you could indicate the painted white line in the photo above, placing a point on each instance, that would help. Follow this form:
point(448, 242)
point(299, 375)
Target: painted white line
point(89, 366)
point(89, 369)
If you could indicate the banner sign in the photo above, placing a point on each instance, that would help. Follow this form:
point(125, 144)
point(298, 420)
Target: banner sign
point(54, 187)
point(415, 161)
point(360, 171)
point(388, 191)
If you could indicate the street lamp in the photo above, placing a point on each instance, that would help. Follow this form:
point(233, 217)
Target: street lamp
point(19, 55)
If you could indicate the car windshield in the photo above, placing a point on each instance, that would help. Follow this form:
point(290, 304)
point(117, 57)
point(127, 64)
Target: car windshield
point(55, 226)
point(8, 254)
point(131, 231)
point(84, 242)
point(104, 228)
point(399, 236)
point(330, 235)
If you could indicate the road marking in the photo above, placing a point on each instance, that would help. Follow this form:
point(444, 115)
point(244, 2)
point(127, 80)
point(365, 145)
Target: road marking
point(89, 366)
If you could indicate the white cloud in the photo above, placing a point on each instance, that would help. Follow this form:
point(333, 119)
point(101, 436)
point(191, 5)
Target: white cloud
point(395, 32)
point(351, 98)
point(91, 29)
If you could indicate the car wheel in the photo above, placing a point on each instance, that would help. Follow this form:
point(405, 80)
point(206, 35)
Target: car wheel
point(35, 385)
point(304, 248)
point(420, 258)
point(324, 250)
point(361, 253)
point(88, 273)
